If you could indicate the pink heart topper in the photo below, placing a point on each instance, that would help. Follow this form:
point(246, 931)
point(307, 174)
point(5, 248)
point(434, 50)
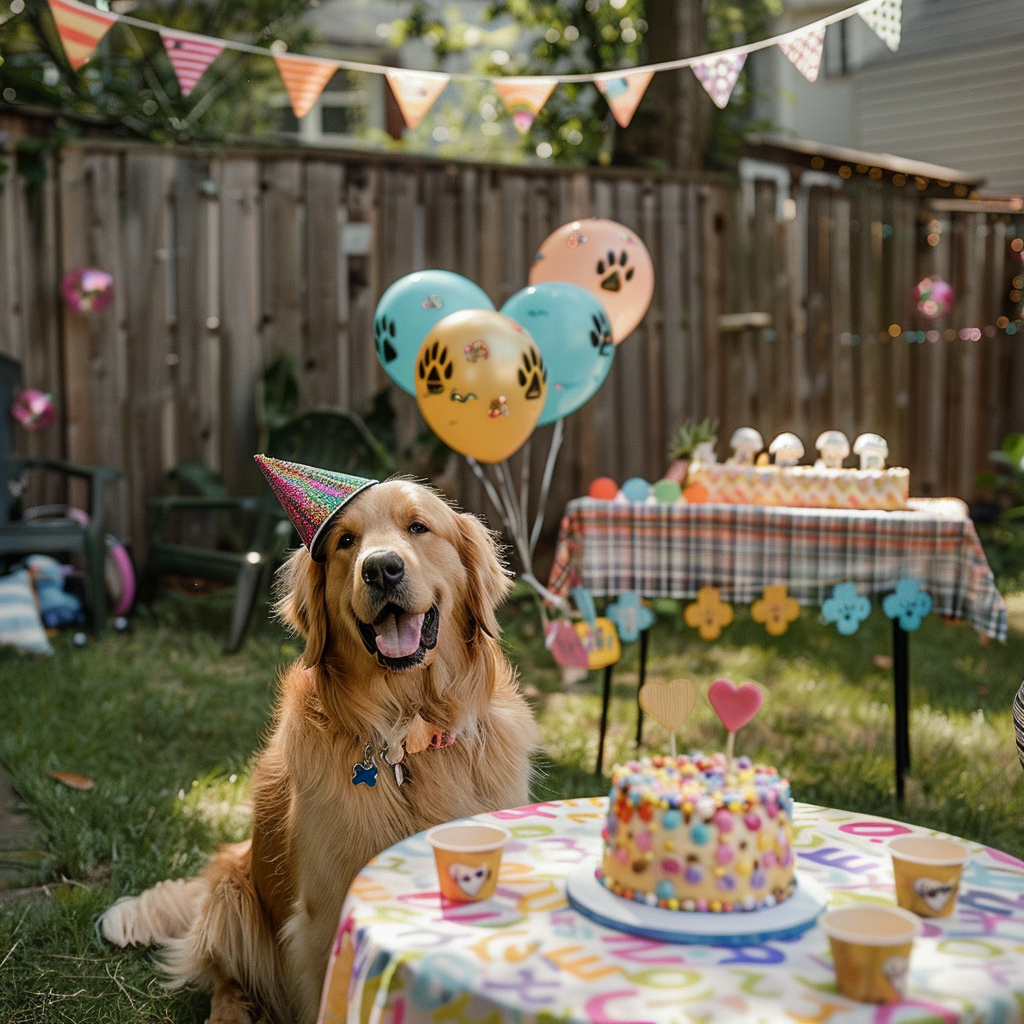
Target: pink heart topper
point(734, 705)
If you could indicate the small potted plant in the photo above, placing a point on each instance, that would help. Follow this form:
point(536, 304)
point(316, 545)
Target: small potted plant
point(693, 441)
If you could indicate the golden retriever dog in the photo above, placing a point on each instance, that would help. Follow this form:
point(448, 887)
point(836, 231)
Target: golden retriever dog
point(402, 713)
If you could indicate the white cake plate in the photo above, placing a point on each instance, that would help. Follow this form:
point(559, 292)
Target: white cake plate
point(787, 920)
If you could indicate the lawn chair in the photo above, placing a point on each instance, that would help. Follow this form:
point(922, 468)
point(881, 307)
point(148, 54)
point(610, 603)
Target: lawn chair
point(329, 438)
point(62, 535)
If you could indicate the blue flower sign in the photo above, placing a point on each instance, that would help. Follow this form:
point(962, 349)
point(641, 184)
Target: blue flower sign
point(909, 604)
point(846, 608)
point(630, 616)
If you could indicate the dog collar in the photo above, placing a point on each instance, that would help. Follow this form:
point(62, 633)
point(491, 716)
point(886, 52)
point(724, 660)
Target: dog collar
point(365, 772)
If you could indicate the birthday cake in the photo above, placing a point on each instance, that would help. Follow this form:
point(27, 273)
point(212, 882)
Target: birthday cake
point(693, 833)
point(803, 486)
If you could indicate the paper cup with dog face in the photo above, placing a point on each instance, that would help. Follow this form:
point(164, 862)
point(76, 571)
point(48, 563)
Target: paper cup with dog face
point(927, 870)
point(468, 855)
point(871, 950)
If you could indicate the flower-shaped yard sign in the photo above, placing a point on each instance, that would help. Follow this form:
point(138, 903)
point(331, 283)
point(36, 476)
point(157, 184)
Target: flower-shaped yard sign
point(910, 604)
point(630, 616)
point(846, 608)
point(709, 613)
point(776, 609)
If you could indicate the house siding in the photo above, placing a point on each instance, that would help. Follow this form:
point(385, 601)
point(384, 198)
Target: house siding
point(961, 109)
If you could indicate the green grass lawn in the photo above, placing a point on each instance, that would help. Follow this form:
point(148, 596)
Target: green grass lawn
point(167, 727)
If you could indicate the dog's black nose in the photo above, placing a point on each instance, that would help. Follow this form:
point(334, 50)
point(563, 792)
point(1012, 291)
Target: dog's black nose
point(383, 571)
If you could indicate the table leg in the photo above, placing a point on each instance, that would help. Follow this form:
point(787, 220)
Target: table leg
point(605, 698)
point(639, 687)
point(901, 702)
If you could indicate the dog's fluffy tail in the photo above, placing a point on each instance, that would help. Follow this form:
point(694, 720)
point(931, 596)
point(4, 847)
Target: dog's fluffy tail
point(158, 915)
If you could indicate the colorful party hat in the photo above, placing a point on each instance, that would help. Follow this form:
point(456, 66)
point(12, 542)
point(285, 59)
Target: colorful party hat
point(310, 496)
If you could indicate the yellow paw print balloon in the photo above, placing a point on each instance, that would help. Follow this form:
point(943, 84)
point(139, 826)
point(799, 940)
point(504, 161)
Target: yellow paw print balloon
point(480, 383)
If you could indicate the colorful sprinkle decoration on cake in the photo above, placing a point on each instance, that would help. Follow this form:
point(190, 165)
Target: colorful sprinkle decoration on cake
point(699, 833)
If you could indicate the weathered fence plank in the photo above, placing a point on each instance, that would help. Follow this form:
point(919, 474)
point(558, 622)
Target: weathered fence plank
point(224, 259)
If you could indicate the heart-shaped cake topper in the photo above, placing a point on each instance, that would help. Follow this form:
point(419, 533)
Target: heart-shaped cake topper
point(734, 705)
point(669, 704)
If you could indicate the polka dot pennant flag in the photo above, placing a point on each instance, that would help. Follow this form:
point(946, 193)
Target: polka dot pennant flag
point(909, 604)
point(885, 20)
point(304, 78)
point(804, 51)
point(190, 56)
point(415, 92)
point(310, 496)
point(524, 98)
point(718, 75)
point(80, 28)
point(624, 94)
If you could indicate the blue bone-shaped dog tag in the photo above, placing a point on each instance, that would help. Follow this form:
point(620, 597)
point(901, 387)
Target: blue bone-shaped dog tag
point(364, 773)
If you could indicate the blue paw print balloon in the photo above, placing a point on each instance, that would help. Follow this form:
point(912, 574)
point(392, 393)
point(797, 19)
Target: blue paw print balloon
point(846, 608)
point(408, 311)
point(630, 616)
point(909, 603)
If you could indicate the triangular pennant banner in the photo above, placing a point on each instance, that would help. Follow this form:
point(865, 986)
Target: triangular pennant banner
point(885, 20)
point(415, 92)
point(624, 94)
point(524, 98)
point(804, 50)
point(304, 78)
point(80, 28)
point(190, 56)
point(718, 75)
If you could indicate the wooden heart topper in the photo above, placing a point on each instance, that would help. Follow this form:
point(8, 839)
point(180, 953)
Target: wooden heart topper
point(669, 704)
point(734, 705)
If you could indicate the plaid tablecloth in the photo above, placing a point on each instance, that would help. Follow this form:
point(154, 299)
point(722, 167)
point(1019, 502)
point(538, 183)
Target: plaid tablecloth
point(660, 550)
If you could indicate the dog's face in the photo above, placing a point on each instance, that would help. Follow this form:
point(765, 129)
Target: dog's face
point(403, 574)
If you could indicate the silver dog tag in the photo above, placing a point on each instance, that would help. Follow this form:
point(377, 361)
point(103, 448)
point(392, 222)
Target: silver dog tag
point(396, 766)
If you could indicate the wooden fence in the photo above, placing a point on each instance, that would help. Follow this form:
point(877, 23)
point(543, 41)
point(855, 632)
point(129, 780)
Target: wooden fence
point(224, 259)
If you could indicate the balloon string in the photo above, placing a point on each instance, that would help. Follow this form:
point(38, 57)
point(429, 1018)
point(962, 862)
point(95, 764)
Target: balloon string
point(491, 492)
point(524, 481)
point(549, 472)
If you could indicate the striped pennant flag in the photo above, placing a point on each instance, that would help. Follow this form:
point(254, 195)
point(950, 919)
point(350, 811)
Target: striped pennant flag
point(804, 50)
point(190, 56)
point(80, 28)
point(624, 93)
point(524, 98)
point(304, 78)
point(718, 75)
point(415, 92)
point(885, 19)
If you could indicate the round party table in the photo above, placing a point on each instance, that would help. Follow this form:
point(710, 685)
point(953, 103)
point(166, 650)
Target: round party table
point(405, 955)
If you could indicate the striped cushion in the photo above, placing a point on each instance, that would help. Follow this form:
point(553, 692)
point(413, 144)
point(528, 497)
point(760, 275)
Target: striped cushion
point(1018, 722)
point(20, 624)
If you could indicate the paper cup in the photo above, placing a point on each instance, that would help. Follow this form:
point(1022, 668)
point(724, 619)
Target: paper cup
point(468, 855)
point(927, 872)
point(871, 950)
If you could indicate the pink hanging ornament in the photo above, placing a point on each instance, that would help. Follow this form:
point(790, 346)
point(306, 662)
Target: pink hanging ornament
point(33, 409)
point(87, 290)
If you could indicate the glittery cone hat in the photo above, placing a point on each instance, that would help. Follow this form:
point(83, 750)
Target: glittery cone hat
point(310, 496)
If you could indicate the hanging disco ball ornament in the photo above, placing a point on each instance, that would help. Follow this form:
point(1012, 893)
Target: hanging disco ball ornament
point(33, 409)
point(934, 297)
point(87, 290)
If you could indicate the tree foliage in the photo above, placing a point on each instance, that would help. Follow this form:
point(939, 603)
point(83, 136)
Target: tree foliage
point(130, 84)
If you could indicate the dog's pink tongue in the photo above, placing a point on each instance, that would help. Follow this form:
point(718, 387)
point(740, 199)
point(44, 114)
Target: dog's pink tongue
point(398, 636)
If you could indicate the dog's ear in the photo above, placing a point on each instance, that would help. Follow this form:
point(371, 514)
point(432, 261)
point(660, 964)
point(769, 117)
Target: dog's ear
point(301, 604)
point(489, 580)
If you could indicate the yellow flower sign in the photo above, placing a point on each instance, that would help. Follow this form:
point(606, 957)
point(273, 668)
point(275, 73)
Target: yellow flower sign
point(709, 613)
point(776, 609)
point(601, 642)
